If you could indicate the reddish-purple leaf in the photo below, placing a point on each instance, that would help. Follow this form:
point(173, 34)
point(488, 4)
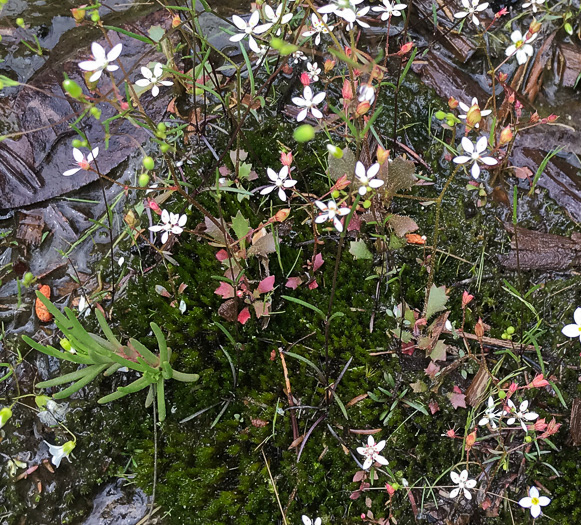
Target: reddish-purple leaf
point(294, 282)
point(434, 407)
point(162, 291)
point(261, 308)
point(266, 285)
point(225, 290)
point(432, 370)
point(318, 262)
point(457, 400)
point(313, 284)
point(222, 255)
point(244, 315)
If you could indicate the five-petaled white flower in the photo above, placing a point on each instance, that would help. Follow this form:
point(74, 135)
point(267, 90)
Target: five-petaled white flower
point(330, 212)
point(522, 414)
point(171, 223)
point(388, 9)
point(281, 181)
point(534, 502)
point(296, 57)
point(472, 7)
point(534, 4)
point(153, 79)
point(475, 105)
point(101, 60)
point(276, 16)
point(84, 163)
point(309, 102)
point(574, 330)
point(249, 28)
point(463, 484)
point(366, 93)
point(366, 177)
point(521, 46)
point(359, 13)
point(371, 453)
point(474, 151)
point(319, 26)
point(58, 453)
point(308, 521)
point(346, 9)
point(490, 415)
point(313, 70)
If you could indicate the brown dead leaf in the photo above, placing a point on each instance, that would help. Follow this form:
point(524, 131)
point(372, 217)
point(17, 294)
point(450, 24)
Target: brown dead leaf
point(356, 400)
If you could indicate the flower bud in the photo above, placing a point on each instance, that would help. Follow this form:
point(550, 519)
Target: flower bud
point(304, 133)
point(382, 155)
point(473, 117)
point(506, 136)
point(176, 21)
point(347, 91)
point(390, 489)
point(535, 27)
point(68, 447)
point(281, 215)
point(341, 183)
point(286, 158)
point(500, 13)
point(78, 14)
point(534, 118)
point(502, 77)
point(552, 118)
point(362, 108)
point(406, 48)
point(479, 329)
point(538, 382)
point(72, 88)
point(5, 415)
point(466, 298)
point(512, 388)
point(329, 65)
point(452, 103)
point(305, 78)
point(335, 151)
point(470, 439)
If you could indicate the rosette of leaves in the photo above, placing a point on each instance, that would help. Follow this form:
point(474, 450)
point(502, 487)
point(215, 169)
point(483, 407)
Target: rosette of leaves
point(106, 356)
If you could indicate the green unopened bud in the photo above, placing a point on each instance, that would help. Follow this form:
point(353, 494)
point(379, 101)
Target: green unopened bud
point(450, 122)
point(502, 394)
point(161, 127)
point(20, 22)
point(568, 28)
point(5, 415)
point(165, 147)
point(68, 447)
point(77, 143)
point(96, 112)
point(84, 144)
point(304, 133)
point(367, 204)
point(510, 330)
point(440, 115)
point(66, 345)
point(28, 279)
point(148, 163)
point(72, 88)
point(528, 439)
point(335, 151)
point(41, 401)
point(143, 180)
point(335, 194)
point(95, 16)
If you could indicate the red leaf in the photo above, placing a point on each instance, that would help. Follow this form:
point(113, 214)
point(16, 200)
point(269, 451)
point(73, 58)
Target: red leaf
point(407, 348)
point(244, 315)
point(294, 282)
point(432, 370)
point(457, 389)
point(266, 285)
point(354, 223)
point(222, 255)
point(225, 290)
point(261, 308)
point(318, 262)
point(457, 400)
point(313, 284)
point(434, 407)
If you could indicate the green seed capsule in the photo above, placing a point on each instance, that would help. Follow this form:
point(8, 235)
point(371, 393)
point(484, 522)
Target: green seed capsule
point(161, 127)
point(84, 144)
point(77, 143)
point(20, 22)
point(304, 133)
point(95, 16)
point(143, 180)
point(72, 88)
point(528, 439)
point(336, 194)
point(440, 115)
point(148, 163)
point(96, 112)
point(367, 204)
point(510, 330)
point(165, 147)
point(450, 122)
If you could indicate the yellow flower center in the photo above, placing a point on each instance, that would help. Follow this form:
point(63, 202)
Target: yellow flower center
point(535, 501)
point(519, 43)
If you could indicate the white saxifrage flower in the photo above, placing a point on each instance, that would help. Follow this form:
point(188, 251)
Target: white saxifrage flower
point(574, 330)
point(389, 9)
point(371, 453)
point(101, 60)
point(275, 17)
point(358, 14)
point(491, 416)
point(309, 102)
point(346, 9)
point(281, 181)
point(366, 93)
point(463, 484)
point(534, 4)
point(296, 57)
point(521, 46)
point(522, 414)
point(331, 212)
point(153, 79)
point(170, 223)
point(534, 502)
point(475, 155)
point(58, 453)
point(366, 177)
point(308, 521)
point(313, 70)
point(473, 105)
point(472, 7)
point(84, 163)
point(319, 27)
point(249, 28)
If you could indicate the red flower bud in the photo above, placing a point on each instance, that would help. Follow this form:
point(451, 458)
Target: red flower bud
point(347, 91)
point(466, 298)
point(362, 108)
point(501, 13)
point(502, 77)
point(506, 136)
point(390, 489)
point(552, 118)
point(305, 79)
point(406, 48)
point(538, 382)
point(479, 329)
point(470, 440)
point(452, 103)
point(286, 158)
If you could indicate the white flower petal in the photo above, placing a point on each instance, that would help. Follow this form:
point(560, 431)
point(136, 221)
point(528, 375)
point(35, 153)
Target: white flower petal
point(535, 511)
point(525, 502)
point(571, 330)
point(70, 172)
point(98, 52)
point(577, 316)
point(454, 492)
point(467, 145)
point(114, 53)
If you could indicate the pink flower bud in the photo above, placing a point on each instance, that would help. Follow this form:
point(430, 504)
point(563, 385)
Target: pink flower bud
point(466, 298)
point(538, 382)
point(390, 489)
point(406, 48)
point(452, 103)
point(286, 158)
point(305, 79)
point(347, 91)
point(506, 136)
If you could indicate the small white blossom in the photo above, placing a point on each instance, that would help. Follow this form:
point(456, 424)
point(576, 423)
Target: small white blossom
point(366, 178)
point(534, 4)
point(466, 108)
point(490, 415)
point(319, 26)
point(296, 57)
point(313, 70)
point(472, 7)
point(346, 9)
point(574, 330)
point(359, 13)
point(474, 155)
point(84, 163)
point(388, 9)
point(281, 181)
point(534, 502)
point(58, 453)
point(463, 484)
point(249, 28)
point(521, 46)
point(522, 414)
point(308, 521)
point(101, 60)
point(275, 17)
point(366, 93)
point(330, 212)
point(153, 79)
point(309, 102)
point(371, 453)
point(171, 223)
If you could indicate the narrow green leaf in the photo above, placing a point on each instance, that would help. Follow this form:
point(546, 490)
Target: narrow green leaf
point(75, 387)
point(305, 304)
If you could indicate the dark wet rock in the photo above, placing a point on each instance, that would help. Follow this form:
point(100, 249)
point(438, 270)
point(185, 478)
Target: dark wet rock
point(118, 504)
